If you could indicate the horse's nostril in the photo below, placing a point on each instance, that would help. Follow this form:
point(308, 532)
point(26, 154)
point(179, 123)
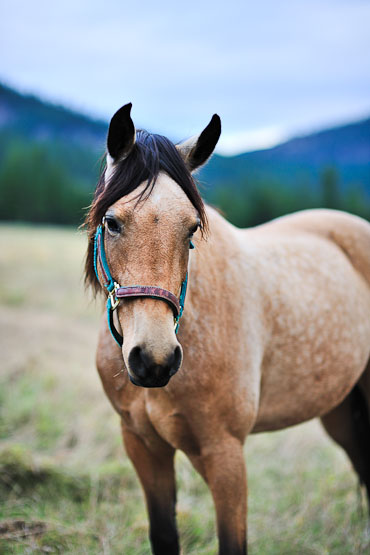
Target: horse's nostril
point(176, 361)
point(144, 366)
point(136, 362)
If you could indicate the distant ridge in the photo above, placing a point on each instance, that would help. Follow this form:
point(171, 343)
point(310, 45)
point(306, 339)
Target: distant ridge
point(342, 143)
point(33, 118)
point(345, 147)
point(298, 160)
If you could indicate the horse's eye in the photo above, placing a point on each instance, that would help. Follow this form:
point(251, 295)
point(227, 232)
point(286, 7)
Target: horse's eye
point(112, 225)
point(193, 230)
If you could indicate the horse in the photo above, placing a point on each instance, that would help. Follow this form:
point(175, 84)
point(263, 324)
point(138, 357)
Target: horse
point(213, 333)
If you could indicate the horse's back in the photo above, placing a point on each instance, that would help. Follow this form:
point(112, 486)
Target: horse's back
point(349, 232)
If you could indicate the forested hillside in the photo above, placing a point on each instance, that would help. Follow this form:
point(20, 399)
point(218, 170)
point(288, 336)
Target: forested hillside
point(330, 168)
point(50, 160)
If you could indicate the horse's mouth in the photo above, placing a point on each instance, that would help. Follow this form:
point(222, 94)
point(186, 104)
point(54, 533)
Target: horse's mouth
point(150, 381)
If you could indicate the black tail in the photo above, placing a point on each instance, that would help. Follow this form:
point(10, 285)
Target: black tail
point(360, 422)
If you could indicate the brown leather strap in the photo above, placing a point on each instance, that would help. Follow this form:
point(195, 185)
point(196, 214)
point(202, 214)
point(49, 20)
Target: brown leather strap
point(149, 291)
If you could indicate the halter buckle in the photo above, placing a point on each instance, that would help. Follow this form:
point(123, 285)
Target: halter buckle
point(114, 302)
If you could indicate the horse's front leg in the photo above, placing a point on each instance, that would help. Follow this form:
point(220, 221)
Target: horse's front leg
point(157, 475)
point(222, 466)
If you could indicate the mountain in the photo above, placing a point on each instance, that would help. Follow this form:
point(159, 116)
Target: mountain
point(29, 117)
point(49, 160)
point(302, 159)
point(70, 139)
point(49, 156)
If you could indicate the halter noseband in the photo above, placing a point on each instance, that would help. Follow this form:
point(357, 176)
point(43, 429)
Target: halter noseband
point(116, 292)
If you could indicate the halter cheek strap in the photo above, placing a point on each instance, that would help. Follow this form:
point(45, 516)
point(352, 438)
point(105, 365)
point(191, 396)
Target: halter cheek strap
point(116, 292)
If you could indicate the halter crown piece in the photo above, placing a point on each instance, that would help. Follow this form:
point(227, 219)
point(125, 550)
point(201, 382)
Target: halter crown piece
point(116, 292)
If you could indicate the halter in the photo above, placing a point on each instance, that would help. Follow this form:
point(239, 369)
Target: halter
point(116, 292)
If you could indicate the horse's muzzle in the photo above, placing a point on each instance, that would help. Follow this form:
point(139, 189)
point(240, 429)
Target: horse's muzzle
point(146, 372)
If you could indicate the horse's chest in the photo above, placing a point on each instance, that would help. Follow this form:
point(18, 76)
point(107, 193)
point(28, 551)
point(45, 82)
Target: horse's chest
point(153, 417)
point(172, 425)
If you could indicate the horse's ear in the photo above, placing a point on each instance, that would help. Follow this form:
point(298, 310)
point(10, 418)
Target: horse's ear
point(196, 150)
point(121, 134)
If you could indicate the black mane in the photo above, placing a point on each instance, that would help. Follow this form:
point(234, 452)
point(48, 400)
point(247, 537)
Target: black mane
point(150, 155)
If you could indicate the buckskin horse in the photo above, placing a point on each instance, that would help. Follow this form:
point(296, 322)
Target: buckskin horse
point(252, 330)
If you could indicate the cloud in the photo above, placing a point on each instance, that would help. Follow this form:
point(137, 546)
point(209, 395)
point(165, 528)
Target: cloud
point(254, 139)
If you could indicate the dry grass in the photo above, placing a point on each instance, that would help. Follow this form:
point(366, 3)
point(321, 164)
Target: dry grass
point(66, 486)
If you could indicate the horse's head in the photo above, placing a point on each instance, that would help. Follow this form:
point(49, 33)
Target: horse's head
point(149, 208)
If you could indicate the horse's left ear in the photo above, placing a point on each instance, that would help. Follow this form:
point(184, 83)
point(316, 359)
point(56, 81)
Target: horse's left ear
point(121, 139)
point(121, 134)
point(196, 150)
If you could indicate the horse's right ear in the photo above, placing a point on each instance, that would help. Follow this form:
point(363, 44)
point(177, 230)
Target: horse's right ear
point(196, 150)
point(121, 134)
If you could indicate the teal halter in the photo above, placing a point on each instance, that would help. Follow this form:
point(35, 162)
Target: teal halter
point(117, 292)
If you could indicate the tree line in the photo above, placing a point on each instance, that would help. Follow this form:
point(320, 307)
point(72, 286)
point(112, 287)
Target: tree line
point(257, 202)
point(36, 185)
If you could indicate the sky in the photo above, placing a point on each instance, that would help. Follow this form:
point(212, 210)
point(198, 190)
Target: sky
point(271, 69)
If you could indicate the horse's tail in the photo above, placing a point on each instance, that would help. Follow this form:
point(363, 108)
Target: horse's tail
point(360, 424)
point(349, 425)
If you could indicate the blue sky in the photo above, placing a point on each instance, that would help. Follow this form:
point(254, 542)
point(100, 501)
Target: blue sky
point(271, 69)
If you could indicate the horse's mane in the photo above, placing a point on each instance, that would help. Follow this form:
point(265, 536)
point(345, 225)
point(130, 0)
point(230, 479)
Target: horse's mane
point(150, 155)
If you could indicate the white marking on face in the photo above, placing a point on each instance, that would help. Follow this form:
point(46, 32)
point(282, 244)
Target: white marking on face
point(109, 169)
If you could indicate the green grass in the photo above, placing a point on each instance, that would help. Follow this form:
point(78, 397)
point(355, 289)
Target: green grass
point(66, 485)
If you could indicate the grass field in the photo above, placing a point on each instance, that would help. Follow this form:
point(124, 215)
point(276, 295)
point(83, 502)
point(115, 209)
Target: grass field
point(66, 485)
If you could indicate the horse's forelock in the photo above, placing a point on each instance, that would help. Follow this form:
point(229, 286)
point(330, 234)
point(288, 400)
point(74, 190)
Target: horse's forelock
point(150, 155)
